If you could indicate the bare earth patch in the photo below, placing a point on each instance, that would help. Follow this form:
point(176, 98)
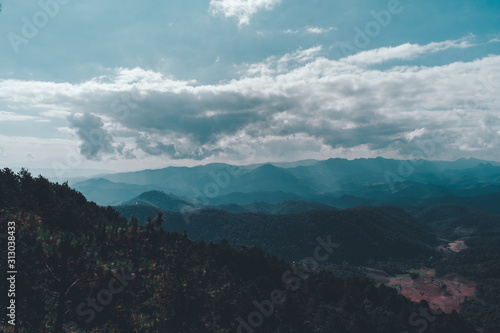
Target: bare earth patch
point(455, 246)
point(441, 293)
point(458, 246)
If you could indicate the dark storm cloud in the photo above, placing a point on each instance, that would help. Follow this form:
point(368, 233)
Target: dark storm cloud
point(96, 141)
point(201, 117)
point(298, 103)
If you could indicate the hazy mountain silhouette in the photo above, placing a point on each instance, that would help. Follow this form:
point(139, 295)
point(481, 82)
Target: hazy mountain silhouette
point(158, 199)
point(105, 192)
point(337, 182)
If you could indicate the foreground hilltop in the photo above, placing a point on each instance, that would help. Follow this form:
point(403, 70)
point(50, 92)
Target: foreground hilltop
point(85, 267)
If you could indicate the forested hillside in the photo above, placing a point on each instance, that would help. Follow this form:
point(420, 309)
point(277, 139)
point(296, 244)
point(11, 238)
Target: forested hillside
point(82, 268)
point(363, 233)
point(454, 221)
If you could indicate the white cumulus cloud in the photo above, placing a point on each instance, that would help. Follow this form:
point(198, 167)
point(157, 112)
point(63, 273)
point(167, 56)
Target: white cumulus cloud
point(241, 9)
point(318, 30)
point(406, 51)
point(301, 103)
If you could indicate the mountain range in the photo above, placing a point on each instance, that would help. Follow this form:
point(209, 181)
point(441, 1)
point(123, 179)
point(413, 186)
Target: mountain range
point(336, 183)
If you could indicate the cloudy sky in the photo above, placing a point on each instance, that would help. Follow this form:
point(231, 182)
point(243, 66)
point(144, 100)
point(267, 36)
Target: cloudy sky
point(128, 85)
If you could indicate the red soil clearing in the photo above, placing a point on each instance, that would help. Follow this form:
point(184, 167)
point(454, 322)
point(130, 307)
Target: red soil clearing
point(441, 293)
point(456, 246)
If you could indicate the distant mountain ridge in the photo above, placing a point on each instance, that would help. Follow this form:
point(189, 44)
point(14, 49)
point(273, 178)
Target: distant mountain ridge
point(105, 192)
point(285, 207)
point(158, 199)
point(148, 204)
point(336, 182)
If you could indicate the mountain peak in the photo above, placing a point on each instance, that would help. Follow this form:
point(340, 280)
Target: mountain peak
point(152, 193)
point(158, 199)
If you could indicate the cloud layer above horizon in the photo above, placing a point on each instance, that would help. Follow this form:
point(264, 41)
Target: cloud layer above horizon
point(304, 103)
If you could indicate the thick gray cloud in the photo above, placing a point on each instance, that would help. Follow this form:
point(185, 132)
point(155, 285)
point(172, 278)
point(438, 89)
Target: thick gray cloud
point(155, 147)
point(287, 107)
point(96, 141)
point(201, 117)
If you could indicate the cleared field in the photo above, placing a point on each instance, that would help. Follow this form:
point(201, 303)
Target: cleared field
point(455, 246)
point(441, 293)
point(458, 245)
point(445, 293)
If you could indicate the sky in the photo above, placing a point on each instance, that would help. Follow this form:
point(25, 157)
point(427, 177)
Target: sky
point(129, 85)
